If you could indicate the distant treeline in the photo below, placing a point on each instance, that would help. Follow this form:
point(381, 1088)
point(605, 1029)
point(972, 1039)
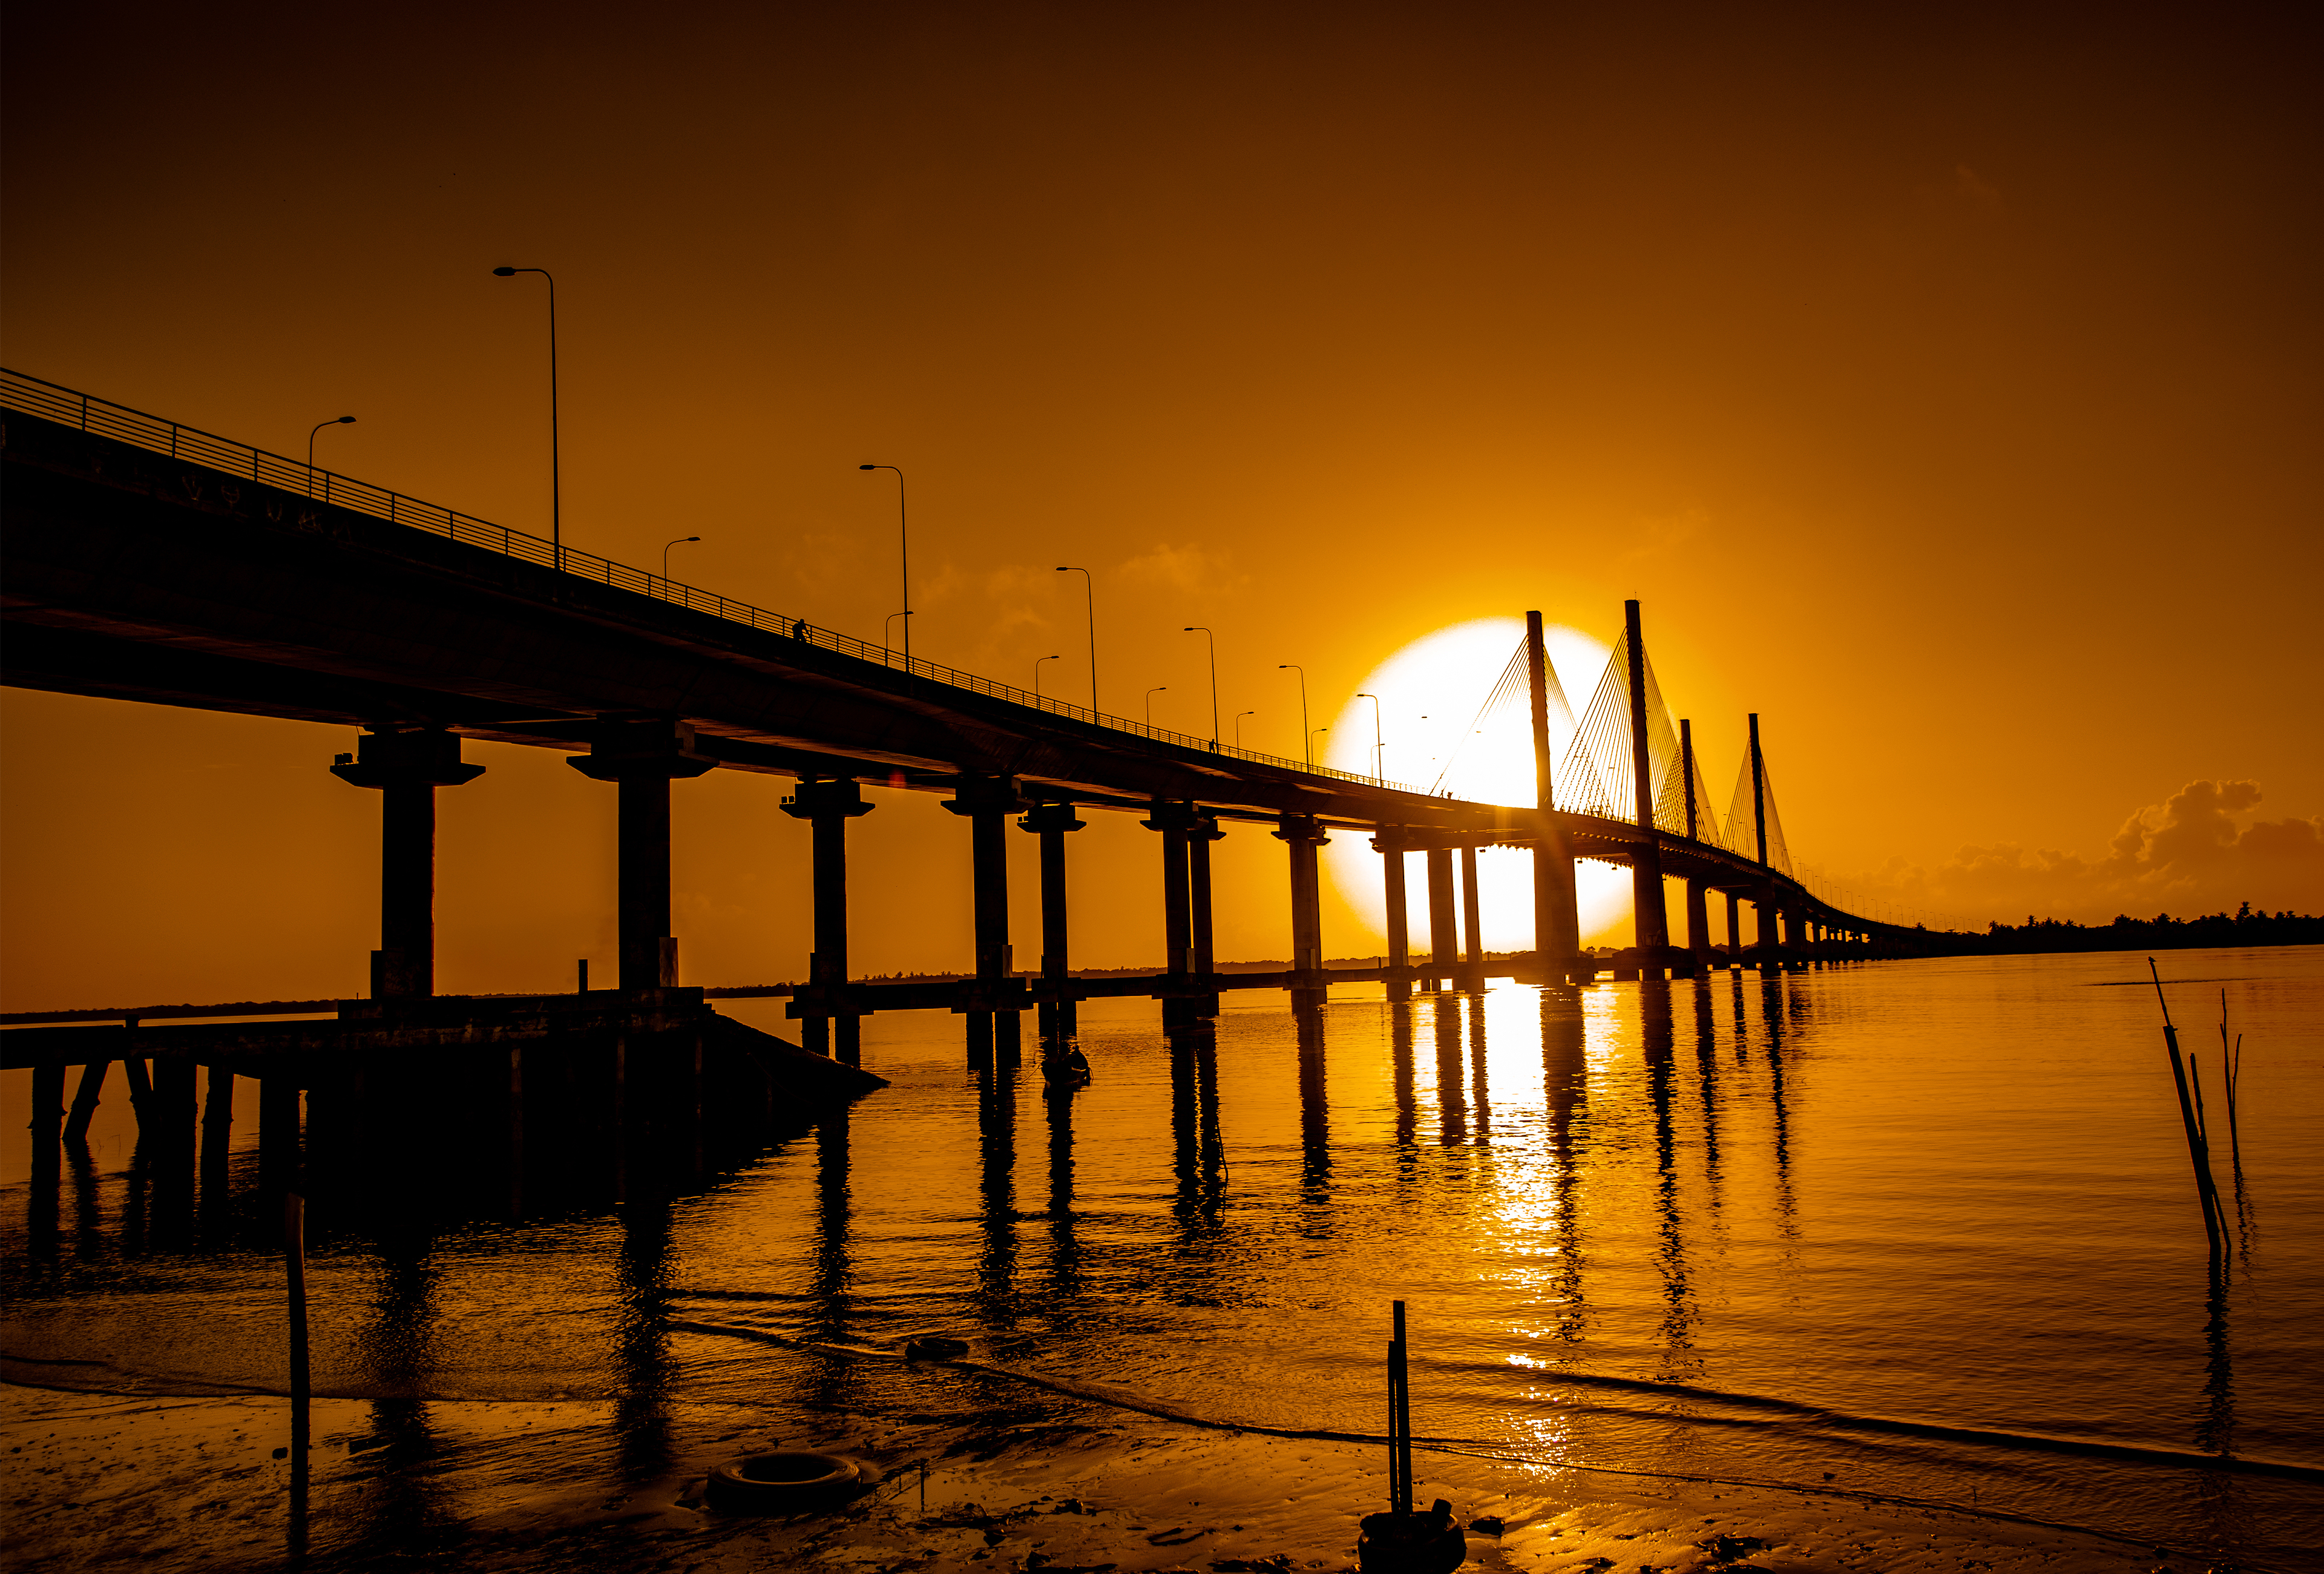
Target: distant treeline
point(2242, 926)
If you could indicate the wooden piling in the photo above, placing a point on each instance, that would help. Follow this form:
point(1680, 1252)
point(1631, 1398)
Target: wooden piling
point(48, 1125)
point(85, 1100)
point(2206, 1190)
point(294, 1265)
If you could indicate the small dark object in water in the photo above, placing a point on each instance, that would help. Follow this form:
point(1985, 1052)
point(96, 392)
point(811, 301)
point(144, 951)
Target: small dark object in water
point(1070, 1070)
point(1417, 1541)
point(1486, 1525)
point(1726, 1549)
point(933, 1347)
point(784, 1483)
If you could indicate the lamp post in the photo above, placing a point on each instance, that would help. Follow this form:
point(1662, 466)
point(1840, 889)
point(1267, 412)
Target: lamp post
point(1238, 725)
point(1378, 747)
point(1312, 736)
point(1304, 733)
point(1150, 693)
point(680, 542)
point(1213, 641)
point(903, 558)
point(1089, 598)
point(556, 518)
point(1037, 674)
point(334, 420)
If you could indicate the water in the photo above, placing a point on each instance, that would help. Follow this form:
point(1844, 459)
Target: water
point(1820, 1226)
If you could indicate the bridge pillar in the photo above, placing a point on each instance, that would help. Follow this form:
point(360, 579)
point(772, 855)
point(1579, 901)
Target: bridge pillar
point(1734, 930)
point(1057, 1018)
point(1556, 914)
point(643, 758)
point(1652, 920)
point(1698, 925)
point(1399, 912)
point(1303, 835)
point(1472, 935)
point(825, 1025)
point(1767, 942)
point(1175, 821)
point(1201, 955)
point(405, 766)
point(994, 1030)
point(1444, 930)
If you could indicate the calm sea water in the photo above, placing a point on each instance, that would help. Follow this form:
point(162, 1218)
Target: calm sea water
point(1927, 1226)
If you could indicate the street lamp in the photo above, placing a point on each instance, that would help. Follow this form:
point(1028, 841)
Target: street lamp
point(1212, 640)
point(1238, 725)
point(1089, 598)
point(1150, 693)
point(1312, 736)
point(680, 542)
point(903, 558)
point(556, 521)
point(334, 420)
point(1295, 667)
point(1379, 774)
point(1037, 674)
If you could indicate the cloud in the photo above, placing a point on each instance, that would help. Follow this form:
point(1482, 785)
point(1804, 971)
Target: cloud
point(2199, 852)
point(1187, 568)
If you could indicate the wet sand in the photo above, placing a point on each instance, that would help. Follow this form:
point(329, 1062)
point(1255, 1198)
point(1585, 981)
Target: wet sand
point(187, 1482)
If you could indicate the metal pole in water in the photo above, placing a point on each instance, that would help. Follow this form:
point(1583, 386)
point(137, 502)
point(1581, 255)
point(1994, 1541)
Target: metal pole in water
point(1399, 1437)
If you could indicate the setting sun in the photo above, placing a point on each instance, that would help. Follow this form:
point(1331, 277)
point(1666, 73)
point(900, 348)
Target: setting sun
point(1446, 722)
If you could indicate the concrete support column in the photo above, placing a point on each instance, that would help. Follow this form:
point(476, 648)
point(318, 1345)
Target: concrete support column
point(1175, 821)
point(833, 1029)
point(406, 766)
point(995, 1028)
point(1303, 836)
point(1472, 928)
point(1795, 935)
point(1557, 913)
point(1767, 939)
point(1652, 921)
point(1698, 925)
point(1202, 956)
point(1057, 1017)
point(643, 758)
point(1399, 912)
point(1443, 929)
point(1734, 929)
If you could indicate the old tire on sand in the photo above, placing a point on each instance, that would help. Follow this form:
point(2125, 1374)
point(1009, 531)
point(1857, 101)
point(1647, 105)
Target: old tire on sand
point(784, 1483)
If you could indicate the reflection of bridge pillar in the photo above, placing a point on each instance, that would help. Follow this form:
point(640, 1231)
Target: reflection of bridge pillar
point(1472, 937)
point(406, 766)
point(1057, 1018)
point(1201, 955)
point(1175, 821)
point(1652, 921)
point(1698, 923)
point(1399, 912)
point(643, 758)
point(827, 807)
point(985, 803)
point(1303, 835)
point(1443, 932)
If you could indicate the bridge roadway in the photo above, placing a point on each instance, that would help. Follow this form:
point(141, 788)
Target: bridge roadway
point(146, 560)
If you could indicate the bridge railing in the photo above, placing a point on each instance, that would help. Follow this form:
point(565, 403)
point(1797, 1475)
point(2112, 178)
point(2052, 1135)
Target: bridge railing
point(68, 407)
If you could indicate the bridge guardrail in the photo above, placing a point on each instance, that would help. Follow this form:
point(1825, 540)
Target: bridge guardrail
point(69, 407)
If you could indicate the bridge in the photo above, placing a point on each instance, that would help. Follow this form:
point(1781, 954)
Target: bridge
point(148, 560)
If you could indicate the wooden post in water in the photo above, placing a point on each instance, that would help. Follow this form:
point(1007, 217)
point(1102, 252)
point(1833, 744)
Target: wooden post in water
point(2205, 1190)
point(48, 1124)
point(2230, 1068)
point(85, 1100)
point(294, 1262)
point(1400, 1420)
point(217, 1134)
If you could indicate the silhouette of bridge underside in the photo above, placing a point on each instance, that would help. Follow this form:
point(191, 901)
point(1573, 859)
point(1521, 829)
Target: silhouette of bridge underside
point(144, 560)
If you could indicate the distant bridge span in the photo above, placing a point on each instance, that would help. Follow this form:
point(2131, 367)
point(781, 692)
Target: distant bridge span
point(146, 561)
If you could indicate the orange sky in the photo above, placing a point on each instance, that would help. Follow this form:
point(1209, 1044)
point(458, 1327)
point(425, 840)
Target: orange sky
point(1946, 386)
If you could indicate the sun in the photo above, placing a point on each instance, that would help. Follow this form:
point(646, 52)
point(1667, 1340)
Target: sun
point(1447, 721)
